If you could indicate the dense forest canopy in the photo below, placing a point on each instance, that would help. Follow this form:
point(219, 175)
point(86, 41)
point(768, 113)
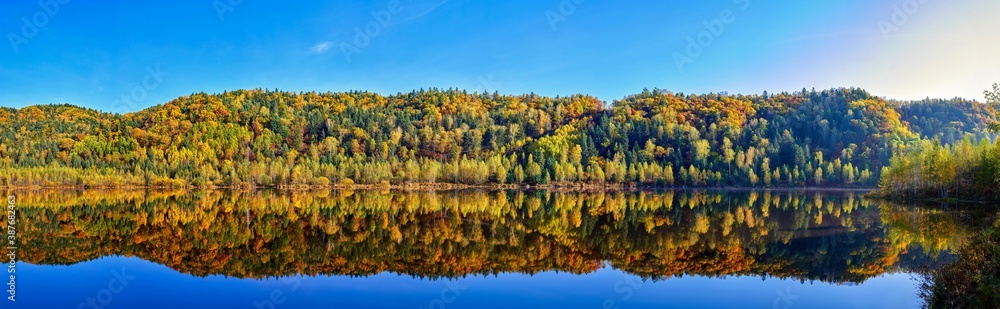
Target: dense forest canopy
point(967, 169)
point(254, 138)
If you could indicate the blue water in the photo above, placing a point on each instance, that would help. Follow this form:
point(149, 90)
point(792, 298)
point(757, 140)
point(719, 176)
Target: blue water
point(71, 286)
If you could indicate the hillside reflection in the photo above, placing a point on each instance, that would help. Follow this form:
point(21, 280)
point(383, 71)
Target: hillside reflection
point(830, 237)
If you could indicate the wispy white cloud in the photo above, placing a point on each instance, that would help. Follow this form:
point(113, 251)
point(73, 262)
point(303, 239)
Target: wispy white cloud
point(422, 14)
point(321, 47)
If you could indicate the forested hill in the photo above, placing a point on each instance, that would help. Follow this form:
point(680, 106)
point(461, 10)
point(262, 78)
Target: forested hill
point(838, 137)
point(949, 121)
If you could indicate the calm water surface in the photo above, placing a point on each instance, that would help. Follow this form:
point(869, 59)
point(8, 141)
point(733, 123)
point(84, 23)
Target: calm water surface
point(476, 250)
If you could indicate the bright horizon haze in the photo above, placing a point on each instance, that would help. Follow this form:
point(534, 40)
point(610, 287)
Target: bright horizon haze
point(123, 56)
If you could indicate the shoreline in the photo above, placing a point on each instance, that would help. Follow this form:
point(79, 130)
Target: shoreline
point(923, 199)
point(444, 187)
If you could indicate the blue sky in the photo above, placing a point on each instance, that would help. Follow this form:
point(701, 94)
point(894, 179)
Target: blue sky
point(123, 56)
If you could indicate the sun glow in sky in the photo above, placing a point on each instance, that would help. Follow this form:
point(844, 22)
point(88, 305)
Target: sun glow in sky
point(123, 56)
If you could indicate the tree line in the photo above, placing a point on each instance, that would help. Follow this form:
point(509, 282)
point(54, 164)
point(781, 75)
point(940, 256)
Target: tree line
point(966, 169)
point(264, 138)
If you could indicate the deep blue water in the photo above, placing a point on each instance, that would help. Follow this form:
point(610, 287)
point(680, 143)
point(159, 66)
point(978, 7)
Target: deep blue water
point(70, 286)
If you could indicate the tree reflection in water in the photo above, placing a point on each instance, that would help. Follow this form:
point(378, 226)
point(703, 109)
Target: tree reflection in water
point(829, 237)
point(972, 280)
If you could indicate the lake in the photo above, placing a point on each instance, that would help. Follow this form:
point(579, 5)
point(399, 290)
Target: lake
point(477, 249)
